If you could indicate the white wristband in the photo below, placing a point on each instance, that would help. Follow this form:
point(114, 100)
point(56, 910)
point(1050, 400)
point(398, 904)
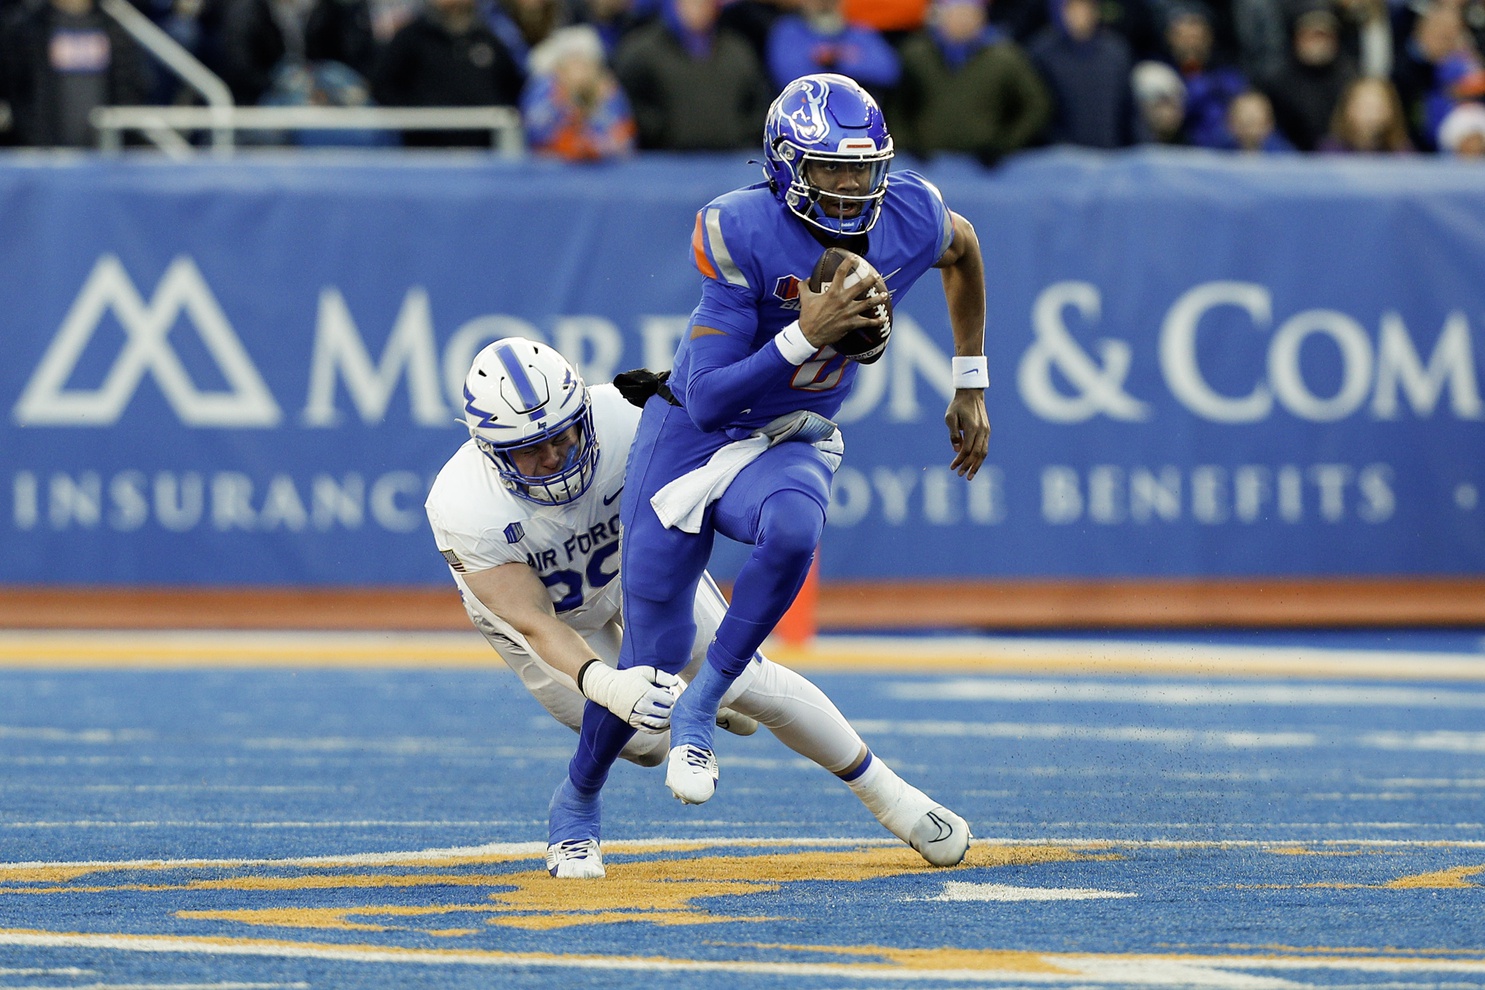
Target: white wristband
point(971, 372)
point(791, 343)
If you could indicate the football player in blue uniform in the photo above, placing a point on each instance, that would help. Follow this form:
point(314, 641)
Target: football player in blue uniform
point(741, 442)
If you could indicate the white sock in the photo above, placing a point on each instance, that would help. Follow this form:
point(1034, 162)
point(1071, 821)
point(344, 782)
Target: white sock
point(896, 804)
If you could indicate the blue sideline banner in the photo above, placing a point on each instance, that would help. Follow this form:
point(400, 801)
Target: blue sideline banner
point(1202, 366)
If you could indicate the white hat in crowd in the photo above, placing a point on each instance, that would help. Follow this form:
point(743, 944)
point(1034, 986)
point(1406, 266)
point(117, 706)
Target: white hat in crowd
point(1464, 120)
point(579, 40)
point(1156, 80)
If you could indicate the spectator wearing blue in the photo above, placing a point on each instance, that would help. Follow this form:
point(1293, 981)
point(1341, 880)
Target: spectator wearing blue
point(1458, 78)
point(819, 39)
point(967, 87)
point(1435, 35)
point(1250, 125)
point(1210, 85)
point(1086, 67)
point(693, 86)
point(573, 107)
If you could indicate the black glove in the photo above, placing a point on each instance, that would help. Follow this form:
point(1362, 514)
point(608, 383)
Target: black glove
point(638, 385)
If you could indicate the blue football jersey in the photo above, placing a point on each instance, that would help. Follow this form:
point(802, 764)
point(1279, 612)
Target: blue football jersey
point(754, 255)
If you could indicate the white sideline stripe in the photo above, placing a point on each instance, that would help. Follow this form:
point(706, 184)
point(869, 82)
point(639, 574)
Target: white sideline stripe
point(1012, 689)
point(99, 737)
point(1126, 655)
point(1435, 741)
point(521, 850)
point(959, 890)
point(1442, 740)
point(1233, 739)
point(246, 648)
point(1216, 971)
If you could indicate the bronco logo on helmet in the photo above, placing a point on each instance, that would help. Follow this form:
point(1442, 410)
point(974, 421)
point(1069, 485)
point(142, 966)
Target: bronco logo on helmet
point(809, 118)
point(827, 119)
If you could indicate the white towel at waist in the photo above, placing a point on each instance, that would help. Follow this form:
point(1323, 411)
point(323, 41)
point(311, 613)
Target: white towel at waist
point(682, 503)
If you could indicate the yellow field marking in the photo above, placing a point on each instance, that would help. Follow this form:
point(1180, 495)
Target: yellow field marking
point(663, 891)
point(969, 654)
point(129, 649)
point(1449, 879)
point(1453, 878)
point(42, 874)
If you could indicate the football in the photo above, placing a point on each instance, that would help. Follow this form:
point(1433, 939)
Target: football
point(866, 345)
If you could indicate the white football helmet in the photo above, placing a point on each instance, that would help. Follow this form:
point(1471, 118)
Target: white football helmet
point(519, 393)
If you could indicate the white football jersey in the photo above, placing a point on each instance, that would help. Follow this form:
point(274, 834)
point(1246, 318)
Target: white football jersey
point(574, 548)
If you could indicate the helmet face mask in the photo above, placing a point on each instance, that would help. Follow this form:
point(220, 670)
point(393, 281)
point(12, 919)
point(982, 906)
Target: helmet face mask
point(520, 395)
point(823, 129)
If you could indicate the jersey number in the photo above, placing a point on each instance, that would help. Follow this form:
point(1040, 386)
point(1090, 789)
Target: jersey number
point(816, 375)
point(572, 581)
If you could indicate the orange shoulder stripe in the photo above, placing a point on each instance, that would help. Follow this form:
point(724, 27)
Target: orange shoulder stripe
point(698, 248)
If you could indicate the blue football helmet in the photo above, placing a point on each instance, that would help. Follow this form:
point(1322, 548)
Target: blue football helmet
point(827, 121)
point(518, 394)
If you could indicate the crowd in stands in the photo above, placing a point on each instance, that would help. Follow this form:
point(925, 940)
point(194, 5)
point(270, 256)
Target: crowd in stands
point(600, 78)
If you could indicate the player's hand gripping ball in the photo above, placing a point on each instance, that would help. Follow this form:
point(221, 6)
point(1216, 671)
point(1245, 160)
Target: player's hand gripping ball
point(866, 344)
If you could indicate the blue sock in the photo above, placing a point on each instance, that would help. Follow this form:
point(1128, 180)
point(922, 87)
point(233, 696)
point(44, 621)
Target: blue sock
point(694, 718)
point(571, 815)
point(602, 737)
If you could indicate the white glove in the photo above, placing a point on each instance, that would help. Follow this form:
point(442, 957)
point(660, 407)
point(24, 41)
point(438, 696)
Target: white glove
point(641, 696)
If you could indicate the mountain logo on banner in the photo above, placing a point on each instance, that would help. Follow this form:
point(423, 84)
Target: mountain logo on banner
point(182, 292)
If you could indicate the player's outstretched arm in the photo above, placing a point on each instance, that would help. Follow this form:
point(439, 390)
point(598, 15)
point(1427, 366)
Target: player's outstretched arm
point(641, 696)
point(963, 270)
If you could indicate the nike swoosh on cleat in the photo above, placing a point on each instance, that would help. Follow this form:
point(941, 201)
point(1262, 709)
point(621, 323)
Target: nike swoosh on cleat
point(944, 828)
point(609, 499)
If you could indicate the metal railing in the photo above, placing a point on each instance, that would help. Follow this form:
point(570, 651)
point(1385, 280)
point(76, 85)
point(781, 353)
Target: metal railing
point(174, 56)
point(169, 128)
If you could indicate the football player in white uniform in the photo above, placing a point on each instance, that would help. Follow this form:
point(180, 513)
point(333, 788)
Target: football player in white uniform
point(526, 514)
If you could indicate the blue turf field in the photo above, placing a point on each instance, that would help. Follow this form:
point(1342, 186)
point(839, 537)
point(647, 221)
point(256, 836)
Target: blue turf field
point(252, 826)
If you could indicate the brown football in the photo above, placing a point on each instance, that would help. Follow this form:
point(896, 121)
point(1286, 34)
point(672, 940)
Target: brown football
point(865, 345)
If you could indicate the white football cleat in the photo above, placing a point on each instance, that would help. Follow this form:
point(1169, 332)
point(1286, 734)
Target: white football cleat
point(692, 774)
point(575, 859)
point(940, 836)
point(736, 722)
